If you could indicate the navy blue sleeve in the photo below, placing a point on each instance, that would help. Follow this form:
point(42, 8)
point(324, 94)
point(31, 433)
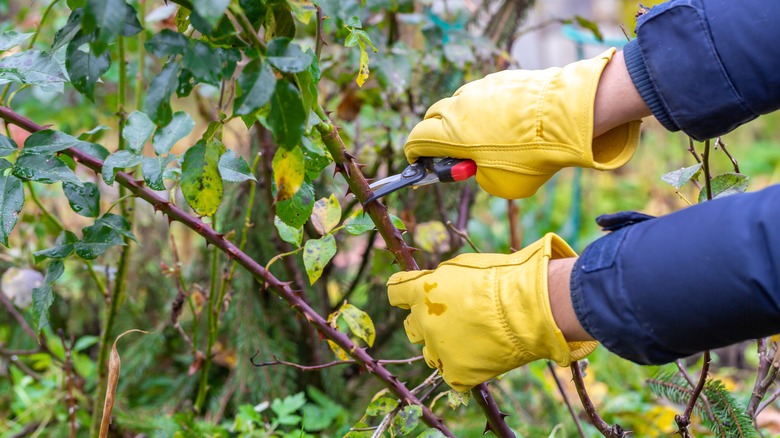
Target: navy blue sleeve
point(704, 277)
point(707, 66)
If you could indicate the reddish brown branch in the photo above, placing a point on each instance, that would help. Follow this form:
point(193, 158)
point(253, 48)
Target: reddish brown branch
point(283, 289)
point(614, 431)
point(348, 165)
point(684, 420)
point(566, 400)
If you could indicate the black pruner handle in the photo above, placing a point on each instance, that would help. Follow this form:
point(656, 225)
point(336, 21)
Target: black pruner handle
point(454, 169)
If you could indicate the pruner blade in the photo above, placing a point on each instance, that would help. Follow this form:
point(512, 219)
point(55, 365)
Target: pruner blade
point(424, 171)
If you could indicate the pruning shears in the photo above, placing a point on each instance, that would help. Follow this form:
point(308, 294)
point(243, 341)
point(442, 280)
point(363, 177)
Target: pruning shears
point(424, 171)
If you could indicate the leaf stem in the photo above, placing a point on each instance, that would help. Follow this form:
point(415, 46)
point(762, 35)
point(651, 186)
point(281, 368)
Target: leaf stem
point(705, 166)
point(212, 323)
point(44, 211)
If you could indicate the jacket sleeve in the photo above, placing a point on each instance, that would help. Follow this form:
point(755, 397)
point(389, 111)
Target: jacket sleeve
point(707, 66)
point(657, 289)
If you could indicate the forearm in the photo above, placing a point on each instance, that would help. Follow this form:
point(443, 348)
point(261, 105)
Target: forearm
point(701, 278)
point(617, 100)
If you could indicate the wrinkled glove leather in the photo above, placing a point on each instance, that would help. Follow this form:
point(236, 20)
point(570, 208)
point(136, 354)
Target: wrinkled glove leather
point(522, 126)
point(481, 315)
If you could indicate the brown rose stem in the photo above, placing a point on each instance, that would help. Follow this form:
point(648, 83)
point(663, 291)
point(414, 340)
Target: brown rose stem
point(348, 166)
point(614, 431)
point(283, 289)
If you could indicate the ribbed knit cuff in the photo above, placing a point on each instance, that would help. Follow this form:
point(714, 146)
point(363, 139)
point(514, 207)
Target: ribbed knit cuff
point(637, 69)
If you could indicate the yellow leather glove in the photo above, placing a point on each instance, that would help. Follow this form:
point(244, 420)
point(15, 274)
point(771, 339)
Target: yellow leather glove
point(522, 126)
point(481, 315)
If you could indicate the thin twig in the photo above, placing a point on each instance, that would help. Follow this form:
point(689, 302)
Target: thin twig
point(722, 144)
point(684, 420)
point(684, 372)
point(463, 235)
point(70, 400)
point(319, 37)
point(692, 150)
point(513, 217)
point(705, 166)
point(566, 400)
point(614, 431)
point(323, 366)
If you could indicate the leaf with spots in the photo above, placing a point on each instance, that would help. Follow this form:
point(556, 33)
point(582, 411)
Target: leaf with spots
point(326, 214)
point(296, 210)
point(49, 141)
point(11, 38)
point(725, 184)
point(33, 67)
point(316, 255)
point(106, 232)
point(46, 169)
point(84, 200)
point(201, 182)
point(43, 296)
point(381, 406)
point(679, 177)
point(359, 323)
point(289, 171)
point(407, 420)
point(11, 201)
point(118, 160)
point(363, 70)
point(432, 236)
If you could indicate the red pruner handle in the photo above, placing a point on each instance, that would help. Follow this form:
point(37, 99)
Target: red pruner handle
point(454, 169)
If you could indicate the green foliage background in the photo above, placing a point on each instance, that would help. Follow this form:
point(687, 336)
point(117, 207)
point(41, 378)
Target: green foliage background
point(222, 123)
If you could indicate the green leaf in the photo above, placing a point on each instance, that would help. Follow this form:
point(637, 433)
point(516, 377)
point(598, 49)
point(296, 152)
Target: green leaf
point(32, 67)
point(234, 168)
point(407, 419)
point(97, 239)
point(49, 142)
point(307, 82)
point(381, 406)
point(158, 105)
point(201, 183)
point(118, 160)
point(165, 138)
point(256, 83)
point(316, 254)
point(204, 62)
point(289, 404)
point(591, 26)
point(118, 224)
point(106, 18)
point(289, 171)
point(326, 214)
point(296, 211)
point(7, 146)
point(211, 10)
point(286, 56)
point(279, 21)
point(94, 134)
point(317, 158)
point(131, 25)
point(43, 296)
point(354, 21)
point(725, 184)
point(457, 398)
point(93, 150)
point(287, 119)
point(167, 42)
point(289, 234)
point(11, 38)
point(69, 31)
point(46, 169)
point(138, 129)
point(11, 202)
point(85, 65)
point(63, 247)
point(359, 322)
point(679, 177)
point(153, 169)
point(431, 433)
point(84, 200)
point(358, 223)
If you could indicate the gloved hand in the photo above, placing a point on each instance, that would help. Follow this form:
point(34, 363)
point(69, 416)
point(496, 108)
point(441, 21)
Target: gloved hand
point(522, 126)
point(481, 315)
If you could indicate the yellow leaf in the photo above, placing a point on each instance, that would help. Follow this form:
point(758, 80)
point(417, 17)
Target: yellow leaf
point(363, 72)
point(289, 169)
point(326, 214)
point(432, 236)
point(338, 351)
point(359, 323)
